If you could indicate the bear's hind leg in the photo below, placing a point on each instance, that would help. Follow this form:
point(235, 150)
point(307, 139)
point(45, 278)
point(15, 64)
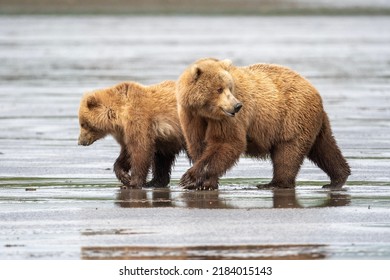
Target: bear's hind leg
point(287, 159)
point(161, 169)
point(326, 155)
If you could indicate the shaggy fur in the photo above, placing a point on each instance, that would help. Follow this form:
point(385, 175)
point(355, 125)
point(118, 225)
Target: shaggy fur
point(144, 121)
point(282, 117)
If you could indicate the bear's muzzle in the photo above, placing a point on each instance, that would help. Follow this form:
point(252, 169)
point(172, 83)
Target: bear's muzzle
point(237, 107)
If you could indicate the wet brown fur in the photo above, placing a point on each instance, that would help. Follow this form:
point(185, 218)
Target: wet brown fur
point(144, 121)
point(282, 117)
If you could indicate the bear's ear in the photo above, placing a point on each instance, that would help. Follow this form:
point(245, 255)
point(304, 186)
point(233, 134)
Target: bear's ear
point(226, 63)
point(111, 114)
point(196, 72)
point(92, 102)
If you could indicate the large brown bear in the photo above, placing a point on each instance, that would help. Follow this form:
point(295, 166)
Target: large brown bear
point(281, 116)
point(144, 121)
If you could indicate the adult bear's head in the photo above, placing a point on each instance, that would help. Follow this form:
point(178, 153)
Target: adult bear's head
point(207, 88)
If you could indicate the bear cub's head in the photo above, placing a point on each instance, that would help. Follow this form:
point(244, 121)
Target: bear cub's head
point(207, 88)
point(98, 113)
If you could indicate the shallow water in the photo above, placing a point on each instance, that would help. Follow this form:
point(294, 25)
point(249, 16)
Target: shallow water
point(62, 201)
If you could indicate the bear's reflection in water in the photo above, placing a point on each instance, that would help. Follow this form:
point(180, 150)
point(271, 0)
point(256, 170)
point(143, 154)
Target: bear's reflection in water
point(213, 252)
point(219, 199)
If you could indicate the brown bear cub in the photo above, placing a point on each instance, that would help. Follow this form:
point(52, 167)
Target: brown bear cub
point(145, 123)
point(260, 110)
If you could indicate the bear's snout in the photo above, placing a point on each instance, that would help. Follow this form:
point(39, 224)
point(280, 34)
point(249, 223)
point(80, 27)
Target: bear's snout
point(84, 141)
point(237, 107)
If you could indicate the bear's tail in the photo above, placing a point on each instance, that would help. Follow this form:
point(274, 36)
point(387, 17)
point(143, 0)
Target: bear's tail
point(326, 155)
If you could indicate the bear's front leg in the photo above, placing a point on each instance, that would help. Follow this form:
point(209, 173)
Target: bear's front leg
point(194, 130)
point(139, 145)
point(122, 167)
point(215, 161)
point(140, 160)
point(189, 181)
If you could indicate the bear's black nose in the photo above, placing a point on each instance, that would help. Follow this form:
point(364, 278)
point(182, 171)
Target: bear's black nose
point(237, 107)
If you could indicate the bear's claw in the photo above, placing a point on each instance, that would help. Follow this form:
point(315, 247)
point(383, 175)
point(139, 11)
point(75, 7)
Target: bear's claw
point(336, 184)
point(205, 188)
point(189, 182)
point(124, 177)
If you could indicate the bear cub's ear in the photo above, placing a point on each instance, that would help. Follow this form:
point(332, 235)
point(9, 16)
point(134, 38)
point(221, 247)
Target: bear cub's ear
point(196, 72)
point(111, 114)
point(226, 63)
point(92, 102)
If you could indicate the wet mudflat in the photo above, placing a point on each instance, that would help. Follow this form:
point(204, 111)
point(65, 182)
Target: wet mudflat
point(62, 201)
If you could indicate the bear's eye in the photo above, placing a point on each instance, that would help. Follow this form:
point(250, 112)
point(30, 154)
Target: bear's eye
point(220, 90)
point(86, 126)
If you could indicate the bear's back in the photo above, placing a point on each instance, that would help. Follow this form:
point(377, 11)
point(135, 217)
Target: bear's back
point(286, 80)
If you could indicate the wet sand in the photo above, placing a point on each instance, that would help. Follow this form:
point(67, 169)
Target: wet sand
point(62, 201)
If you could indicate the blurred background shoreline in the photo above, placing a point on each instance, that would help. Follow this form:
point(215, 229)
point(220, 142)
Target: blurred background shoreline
point(189, 7)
